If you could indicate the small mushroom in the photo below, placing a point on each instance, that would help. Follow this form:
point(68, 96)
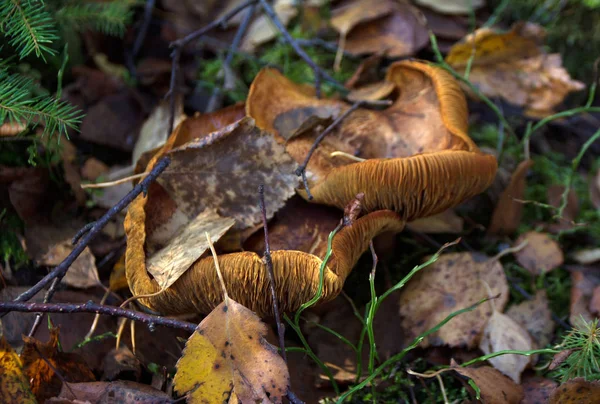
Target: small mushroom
point(419, 158)
point(296, 272)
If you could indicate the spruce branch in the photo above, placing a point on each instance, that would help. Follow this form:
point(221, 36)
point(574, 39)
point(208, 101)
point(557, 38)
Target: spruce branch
point(109, 18)
point(28, 25)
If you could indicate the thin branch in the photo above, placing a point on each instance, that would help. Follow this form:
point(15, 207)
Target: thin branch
point(61, 269)
point(269, 264)
point(91, 307)
point(47, 298)
point(318, 72)
point(131, 55)
point(215, 98)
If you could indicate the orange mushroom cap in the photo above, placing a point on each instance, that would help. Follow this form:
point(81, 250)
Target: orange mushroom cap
point(421, 160)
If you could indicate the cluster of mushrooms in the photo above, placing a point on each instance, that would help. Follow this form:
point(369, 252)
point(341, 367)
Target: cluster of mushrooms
point(416, 160)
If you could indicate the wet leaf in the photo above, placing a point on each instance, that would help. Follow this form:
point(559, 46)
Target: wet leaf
point(228, 357)
point(540, 255)
point(495, 387)
point(121, 391)
point(508, 212)
point(576, 390)
point(503, 333)
point(41, 361)
point(512, 65)
point(14, 385)
point(535, 316)
point(183, 249)
point(455, 281)
point(584, 283)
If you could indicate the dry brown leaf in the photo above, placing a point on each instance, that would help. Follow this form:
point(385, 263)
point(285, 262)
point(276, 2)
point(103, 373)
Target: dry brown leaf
point(14, 386)
point(11, 128)
point(535, 316)
point(584, 284)
point(537, 389)
point(27, 187)
point(455, 281)
point(228, 357)
point(262, 30)
point(452, 6)
point(350, 14)
point(42, 360)
point(575, 391)
point(82, 273)
point(186, 246)
point(372, 92)
point(507, 214)
point(540, 255)
point(445, 222)
point(495, 387)
point(402, 32)
point(223, 171)
point(503, 333)
point(120, 391)
point(367, 72)
point(512, 65)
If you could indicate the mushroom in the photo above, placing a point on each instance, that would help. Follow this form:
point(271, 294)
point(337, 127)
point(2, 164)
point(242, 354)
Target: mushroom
point(419, 159)
point(297, 273)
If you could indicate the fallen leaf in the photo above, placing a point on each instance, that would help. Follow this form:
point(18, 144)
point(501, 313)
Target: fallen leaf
point(503, 333)
point(540, 255)
point(121, 363)
point(445, 222)
point(186, 246)
point(223, 171)
point(70, 165)
point(14, 386)
point(27, 187)
point(454, 282)
point(584, 283)
point(453, 6)
point(42, 361)
point(401, 32)
point(120, 391)
point(576, 390)
point(587, 256)
point(262, 30)
point(82, 273)
point(595, 301)
point(554, 195)
point(508, 212)
point(367, 72)
point(535, 316)
point(228, 357)
point(537, 389)
point(559, 358)
point(11, 128)
point(93, 168)
point(303, 377)
point(118, 279)
point(108, 197)
point(495, 387)
point(372, 92)
point(350, 14)
point(512, 65)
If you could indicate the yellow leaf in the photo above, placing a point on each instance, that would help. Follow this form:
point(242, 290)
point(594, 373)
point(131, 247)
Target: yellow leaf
point(228, 358)
point(14, 387)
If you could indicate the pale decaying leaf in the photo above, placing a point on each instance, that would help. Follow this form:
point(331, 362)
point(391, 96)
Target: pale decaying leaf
point(14, 385)
point(452, 6)
point(587, 256)
point(228, 358)
point(454, 282)
point(262, 30)
point(541, 254)
point(508, 212)
point(189, 243)
point(585, 285)
point(503, 333)
point(82, 273)
point(223, 170)
point(520, 73)
point(535, 316)
point(495, 387)
point(120, 391)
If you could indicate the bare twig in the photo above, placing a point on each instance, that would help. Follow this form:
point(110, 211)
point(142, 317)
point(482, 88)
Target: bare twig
point(47, 298)
point(140, 37)
point(215, 99)
point(61, 269)
point(318, 72)
point(269, 264)
point(91, 307)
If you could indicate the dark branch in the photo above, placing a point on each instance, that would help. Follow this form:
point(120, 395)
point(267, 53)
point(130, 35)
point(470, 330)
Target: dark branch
point(47, 298)
point(131, 55)
point(269, 264)
point(61, 269)
point(91, 307)
point(318, 72)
